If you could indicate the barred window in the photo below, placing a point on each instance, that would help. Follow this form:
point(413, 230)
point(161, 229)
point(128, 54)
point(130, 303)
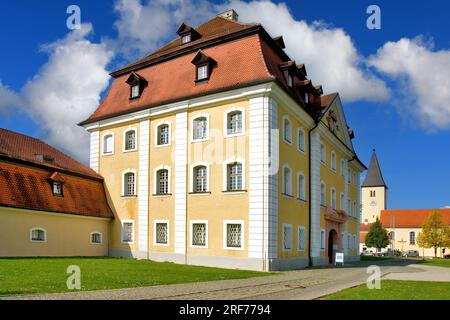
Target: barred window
point(38, 235)
point(163, 181)
point(200, 179)
point(235, 122)
point(130, 140)
point(412, 237)
point(234, 176)
point(96, 238)
point(129, 187)
point(162, 233)
point(127, 232)
point(200, 128)
point(234, 235)
point(163, 134)
point(199, 234)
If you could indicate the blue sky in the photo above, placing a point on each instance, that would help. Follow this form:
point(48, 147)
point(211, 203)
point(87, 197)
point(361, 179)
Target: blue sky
point(410, 129)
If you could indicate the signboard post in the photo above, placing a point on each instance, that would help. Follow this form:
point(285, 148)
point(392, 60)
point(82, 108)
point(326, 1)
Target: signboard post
point(339, 258)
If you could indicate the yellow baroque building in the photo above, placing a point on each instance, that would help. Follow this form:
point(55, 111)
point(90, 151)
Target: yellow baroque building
point(217, 150)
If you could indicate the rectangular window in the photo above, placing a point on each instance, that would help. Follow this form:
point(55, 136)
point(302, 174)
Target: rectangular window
point(199, 234)
point(57, 188)
point(322, 239)
point(135, 91)
point(96, 238)
point(412, 238)
point(200, 128)
point(129, 188)
point(163, 134)
point(201, 179)
point(162, 233)
point(186, 39)
point(235, 122)
point(234, 235)
point(301, 140)
point(301, 238)
point(38, 235)
point(130, 140)
point(322, 153)
point(235, 177)
point(202, 72)
point(128, 232)
point(163, 182)
point(323, 201)
point(287, 236)
point(108, 144)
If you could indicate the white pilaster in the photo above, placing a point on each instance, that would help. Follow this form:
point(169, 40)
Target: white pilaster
point(180, 192)
point(143, 180)
point(315, 194)
point(94, 151)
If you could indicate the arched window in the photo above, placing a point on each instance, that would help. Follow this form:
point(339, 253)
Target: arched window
point(38, 235)
point(162, 178)
point(333, 161)
point(287, 180)
point(130, 140)
point(108, 144)
point(163, 134)
point(323, 200)
point(301, 192)
point(301, 140)
point(234, 176)
point(333, 198)
point(129, 184)
point(200, 128)
point(200, 179)
point(234, 122)
point(287, 130)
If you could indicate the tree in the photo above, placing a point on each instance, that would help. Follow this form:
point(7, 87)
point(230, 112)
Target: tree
point(435, 233)
point(377, 236)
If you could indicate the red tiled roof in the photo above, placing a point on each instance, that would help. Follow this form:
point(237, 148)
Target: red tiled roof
point(410, 218)
point(27, 187)
point(17, 146)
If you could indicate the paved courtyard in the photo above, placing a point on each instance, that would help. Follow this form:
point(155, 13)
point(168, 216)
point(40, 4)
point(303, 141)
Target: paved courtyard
point(293, 285)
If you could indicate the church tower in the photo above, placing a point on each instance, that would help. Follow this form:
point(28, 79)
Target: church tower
point(373, 192)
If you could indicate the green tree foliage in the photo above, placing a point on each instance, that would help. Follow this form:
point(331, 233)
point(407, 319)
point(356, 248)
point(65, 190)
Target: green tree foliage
point(435, 233)
point(377, 237)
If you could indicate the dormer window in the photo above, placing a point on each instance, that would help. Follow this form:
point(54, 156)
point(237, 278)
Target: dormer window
point(57, 188)
point(56, 182)
point(204, 65)
point(289, 69)
point(187, 33)
point(137, 84)
point(186, 39)
point(290, 82)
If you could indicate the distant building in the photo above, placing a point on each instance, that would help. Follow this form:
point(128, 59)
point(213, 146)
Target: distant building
point(50, 204)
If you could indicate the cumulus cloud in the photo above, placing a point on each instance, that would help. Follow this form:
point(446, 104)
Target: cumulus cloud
point(423, 77)
point(329, 54)
point(8, 99)
point(67, 89)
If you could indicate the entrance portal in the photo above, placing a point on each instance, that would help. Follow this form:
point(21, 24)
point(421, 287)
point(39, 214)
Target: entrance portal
point(332, 244)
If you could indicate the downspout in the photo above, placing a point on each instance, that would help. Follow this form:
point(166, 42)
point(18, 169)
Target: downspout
point(309, 193)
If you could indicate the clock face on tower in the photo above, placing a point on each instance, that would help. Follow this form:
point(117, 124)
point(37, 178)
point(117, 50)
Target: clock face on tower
point(373, 203)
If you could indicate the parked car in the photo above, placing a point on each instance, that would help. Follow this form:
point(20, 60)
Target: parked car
point(411, 254)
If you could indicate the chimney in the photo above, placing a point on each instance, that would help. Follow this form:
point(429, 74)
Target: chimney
point(230, 14)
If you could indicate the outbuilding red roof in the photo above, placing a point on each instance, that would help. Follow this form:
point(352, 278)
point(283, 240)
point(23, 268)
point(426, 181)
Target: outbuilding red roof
point(410, 218)
point(28, 167)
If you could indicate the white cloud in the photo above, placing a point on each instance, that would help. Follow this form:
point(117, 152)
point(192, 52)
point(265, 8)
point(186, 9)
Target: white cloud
point(329, 54)
point(66, 90)
point(8, 99)
point(423, 77)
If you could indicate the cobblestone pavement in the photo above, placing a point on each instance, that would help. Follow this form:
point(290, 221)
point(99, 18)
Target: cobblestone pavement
point(298, 285)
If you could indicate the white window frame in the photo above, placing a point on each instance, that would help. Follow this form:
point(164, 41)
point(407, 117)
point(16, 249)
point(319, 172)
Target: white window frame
point(104, 136)
point(192, 176)
point(303, 186)
point(299, 240)
point(96, 243)
point(155, 243)
point(333, 161)
point(342, 168)
point(191, 233)
point(225, 242)
point(301, 141)
point(324, 193)
point(283, 119)
point(133, 95)
point(124, 144)
point(283, 182)
point(323, 153)
point(225, 122)
point(409, 238)
point(205, 75)
point(123, 222)
point(342, 201)
point(333, 205)
point(39, 229)
point(288, 226)
point(57, 188)
point(323, 240)
point(186, 38)
point(129, 170)
point(155, 180)
point(159, 124)
point(225, 174)
point(195, 117)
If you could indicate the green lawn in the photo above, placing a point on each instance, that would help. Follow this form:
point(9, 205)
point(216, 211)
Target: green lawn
point(46, 275)
point(397, 290)
point(437, 262)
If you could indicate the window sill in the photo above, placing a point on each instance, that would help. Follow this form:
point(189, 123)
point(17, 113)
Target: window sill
point(206, 193)
point(131, 150)
point(287, 195)
point(107, 154)
point(162, 195)
point(234, 191)
point(287, 142)
point(162, 145)
point(234, 248)
point(199, 140)
point(129, 197)
point(232, 135)
point(201, 81)
point(301, 200)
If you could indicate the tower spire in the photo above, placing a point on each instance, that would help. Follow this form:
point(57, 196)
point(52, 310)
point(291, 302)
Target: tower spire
point(374, 177)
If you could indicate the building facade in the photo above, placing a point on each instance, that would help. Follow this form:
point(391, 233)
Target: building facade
point(217, 150)
point(50, 204)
